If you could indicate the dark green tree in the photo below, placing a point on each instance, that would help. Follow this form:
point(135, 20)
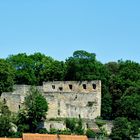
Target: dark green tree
point(5, 121)
point(6, 76)
point(82, 66)
point(75, 125)
point(122, 129)
point(90, 133)
point(24, 71)
point(34, 112)
point(36, 68)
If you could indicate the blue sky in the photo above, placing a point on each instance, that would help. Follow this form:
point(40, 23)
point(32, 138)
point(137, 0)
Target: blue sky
point(109, 28)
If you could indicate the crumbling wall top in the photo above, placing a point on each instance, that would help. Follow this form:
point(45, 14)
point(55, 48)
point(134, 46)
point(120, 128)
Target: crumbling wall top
point(72, 86)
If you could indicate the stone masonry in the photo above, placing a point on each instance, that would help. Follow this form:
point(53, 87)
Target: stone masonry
point(65, 98)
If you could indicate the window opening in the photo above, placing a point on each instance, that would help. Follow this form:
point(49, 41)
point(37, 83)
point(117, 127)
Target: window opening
point(79, 116)
point(4, 101)
point(70, 86)
point(53, 86)
point(60, 88)
point(58, 112)
point(94, 86)
point(84, 86)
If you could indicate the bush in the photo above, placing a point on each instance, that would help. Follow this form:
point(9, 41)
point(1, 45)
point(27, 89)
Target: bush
point(75, 125)
point(100, 122)
point(42, 131)
point(90, 133)
point(122, 129)
point(62, 132)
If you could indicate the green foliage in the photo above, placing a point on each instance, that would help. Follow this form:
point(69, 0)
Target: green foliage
point(6, 126)
point(6, 76)
point(24, 68)
point(75, 125)
point(123, 75)
point(71, 124)
point(100, 122)
point(125, 129)
point(122, 129)
point(42, 131)
point(65, 132)
point(106, 106)
point(82, 66)
point(5, 121)
point(33, 113)
point(62, 132)
point(120, 86)
point(130, 105)
point(35, 69)
point(102, 134)
point(90, 133)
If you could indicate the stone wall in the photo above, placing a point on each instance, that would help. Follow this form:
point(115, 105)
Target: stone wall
point(72, 86)
point(15, 99)
point(65, 98)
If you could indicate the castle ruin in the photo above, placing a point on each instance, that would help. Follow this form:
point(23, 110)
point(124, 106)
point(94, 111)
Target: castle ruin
point(66, 99)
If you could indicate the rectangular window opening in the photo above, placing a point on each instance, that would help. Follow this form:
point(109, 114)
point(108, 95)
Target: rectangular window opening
point(58, 112)
point(70, 86)
point(84, 86)
point(94, 86)
point(53, 86)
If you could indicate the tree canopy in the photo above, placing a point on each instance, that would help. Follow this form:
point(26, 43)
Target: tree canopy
point(120, 81)
point(7, 74)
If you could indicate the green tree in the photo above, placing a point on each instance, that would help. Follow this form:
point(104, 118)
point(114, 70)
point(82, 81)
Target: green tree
point(81, 66)
point(34, 112)
point(131, 106)
point(90, 133)
point(122, 129)
point(24, 72)
point(5, 121)
point(6, 76)
point(75, 125)
point(36, 68)
point(123, 75)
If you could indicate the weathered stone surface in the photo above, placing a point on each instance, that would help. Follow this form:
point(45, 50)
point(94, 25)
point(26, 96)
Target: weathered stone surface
point(65, 98)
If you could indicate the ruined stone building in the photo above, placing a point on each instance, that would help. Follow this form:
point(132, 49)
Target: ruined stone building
point(66, 99)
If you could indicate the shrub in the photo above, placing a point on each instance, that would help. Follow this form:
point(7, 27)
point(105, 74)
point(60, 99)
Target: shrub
point(90, 133)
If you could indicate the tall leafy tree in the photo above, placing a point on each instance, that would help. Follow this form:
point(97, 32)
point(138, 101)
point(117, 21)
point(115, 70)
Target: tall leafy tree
point(24, 68)
point(123, 74)
point(34, 112)
point(75, 125)
point(122, 129)
point(82, 66)
point(5, 121)
point(36, 68)
point(6, 76)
